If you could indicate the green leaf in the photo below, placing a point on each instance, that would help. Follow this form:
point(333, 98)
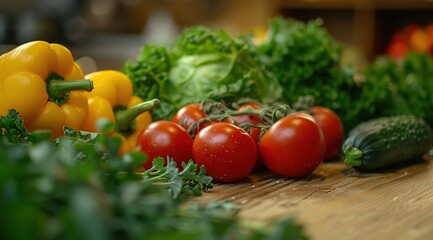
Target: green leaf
point(12, 127)
point(53, 194)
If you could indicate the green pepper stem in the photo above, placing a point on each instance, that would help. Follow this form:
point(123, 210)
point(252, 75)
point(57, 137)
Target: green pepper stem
point(124, 118)
point(58, 89)
point(352, 156)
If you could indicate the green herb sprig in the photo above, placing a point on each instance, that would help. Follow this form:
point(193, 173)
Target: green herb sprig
point(79, 187)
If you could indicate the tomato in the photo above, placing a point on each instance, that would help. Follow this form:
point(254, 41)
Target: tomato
point(165, 138)
point(294, 146)
point(188, 115)
point(253, 132)
point(332, 129)
point(252, 118)
point(228, 152)
point(255, 135)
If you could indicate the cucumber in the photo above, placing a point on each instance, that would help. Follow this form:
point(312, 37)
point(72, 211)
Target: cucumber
point(387, 141)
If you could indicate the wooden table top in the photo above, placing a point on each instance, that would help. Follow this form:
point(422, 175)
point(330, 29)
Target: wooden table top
point(338, 202)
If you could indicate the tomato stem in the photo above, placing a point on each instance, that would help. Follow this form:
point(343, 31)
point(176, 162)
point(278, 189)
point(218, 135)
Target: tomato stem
point(217, 111)
point(353, 156)
point(227, 116)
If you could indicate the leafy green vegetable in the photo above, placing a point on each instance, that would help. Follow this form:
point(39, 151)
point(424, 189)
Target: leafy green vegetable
point(12, 127)
point(149, 71)
point(417, 85)
point(296, 60)
point(186, 182)
point(204, 64)
point(302, 56)
point(306, 60)
point(78, 187)
point(407, 85)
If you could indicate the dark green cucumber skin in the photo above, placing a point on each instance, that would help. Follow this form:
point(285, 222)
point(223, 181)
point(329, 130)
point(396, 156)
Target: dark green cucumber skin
point(388, 141)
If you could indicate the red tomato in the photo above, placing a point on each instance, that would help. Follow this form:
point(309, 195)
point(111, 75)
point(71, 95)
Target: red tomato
point(252, 118)
point(332, 129)
point(165, 138)
point(227, 152)
point(255, 135)
point(253, 132)
point(294, 146)
point(188, 115)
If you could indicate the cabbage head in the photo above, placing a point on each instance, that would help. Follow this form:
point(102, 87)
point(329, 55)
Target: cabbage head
point(203, 64)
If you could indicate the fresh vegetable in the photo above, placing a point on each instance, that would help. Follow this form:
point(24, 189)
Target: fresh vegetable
point(112, 99)
point(79, 187)
point(248, 118)
point(164, 138)
point(204, 63)
point(299, 53)
point(402, 87)
point(294, 146)
point(253, 131)
point(329, 122)
point(228, 152)
point(332, 129)
point(187, 115)
point(307, 61)
point(12, 128)
point(252, 117)
point(43, 83)
point(302, 56)
point(387, 141)
point(186, 180)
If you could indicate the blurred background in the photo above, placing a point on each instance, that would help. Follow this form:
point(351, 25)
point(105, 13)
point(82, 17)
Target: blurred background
point(110, 32)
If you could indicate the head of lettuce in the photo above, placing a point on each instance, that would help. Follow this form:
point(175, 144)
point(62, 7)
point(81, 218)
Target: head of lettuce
point(203, 64)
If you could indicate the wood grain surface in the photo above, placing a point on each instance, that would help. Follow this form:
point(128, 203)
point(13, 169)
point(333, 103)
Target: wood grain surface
point(338, 202)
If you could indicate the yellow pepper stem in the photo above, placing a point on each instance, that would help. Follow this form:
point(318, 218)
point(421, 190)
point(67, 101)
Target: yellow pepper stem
point(58, 90)
point(125, 118)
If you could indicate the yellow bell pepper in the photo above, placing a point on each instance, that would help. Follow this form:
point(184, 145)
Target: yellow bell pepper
point(39, 80)
point(112, 98)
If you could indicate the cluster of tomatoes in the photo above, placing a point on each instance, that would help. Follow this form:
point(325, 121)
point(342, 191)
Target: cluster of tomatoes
point(293, 146)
